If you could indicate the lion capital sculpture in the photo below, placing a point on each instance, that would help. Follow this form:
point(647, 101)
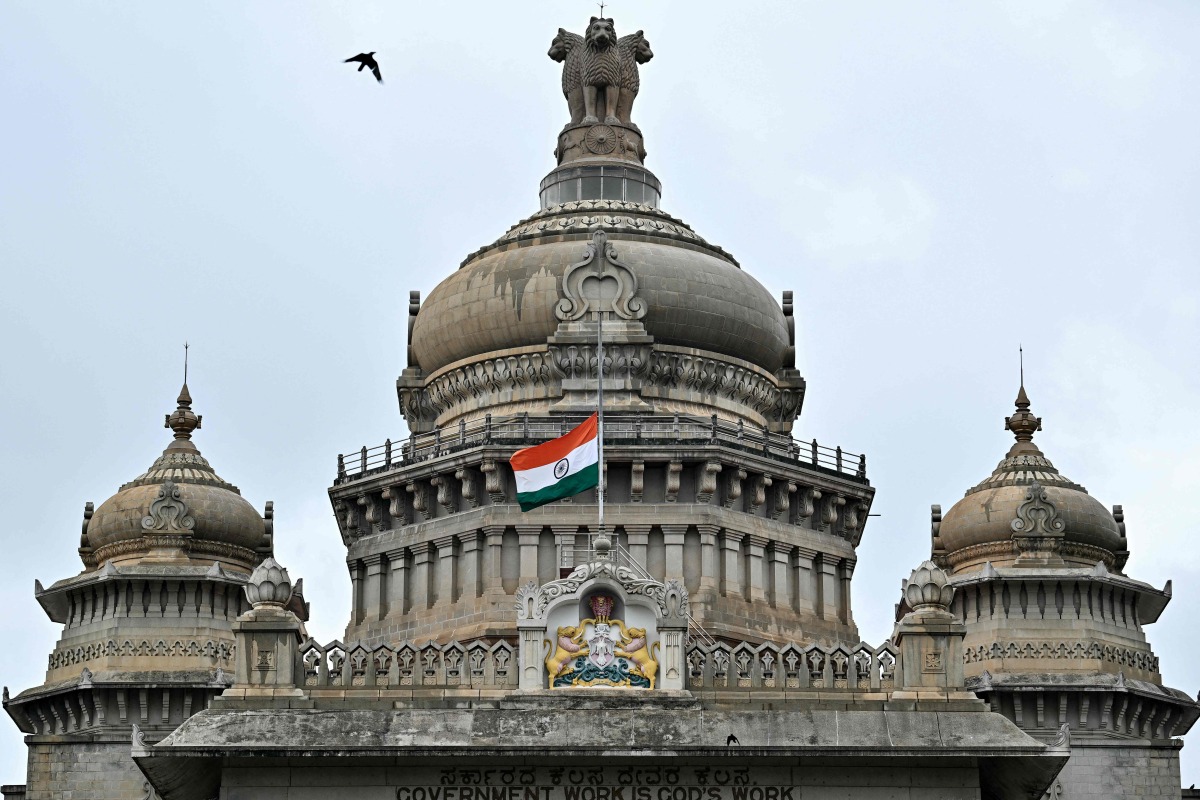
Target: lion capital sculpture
point(600, 72)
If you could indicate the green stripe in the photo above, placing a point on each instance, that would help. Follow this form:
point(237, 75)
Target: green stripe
point(573, 484)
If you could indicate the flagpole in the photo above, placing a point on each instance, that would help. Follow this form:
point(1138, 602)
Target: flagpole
point(602, 543)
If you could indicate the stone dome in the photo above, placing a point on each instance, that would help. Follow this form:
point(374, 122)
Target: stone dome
point(1027, 505)
point(504, 295)
point(178, 510)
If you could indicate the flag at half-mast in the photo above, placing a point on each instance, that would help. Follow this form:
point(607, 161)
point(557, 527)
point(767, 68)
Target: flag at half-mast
point(558, 468)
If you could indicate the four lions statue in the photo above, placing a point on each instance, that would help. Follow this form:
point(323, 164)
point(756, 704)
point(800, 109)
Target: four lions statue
point(600, 72)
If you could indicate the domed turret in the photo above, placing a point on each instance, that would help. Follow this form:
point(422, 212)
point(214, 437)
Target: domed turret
point(1054, 632)
point(1027, 512)
point(178, 510)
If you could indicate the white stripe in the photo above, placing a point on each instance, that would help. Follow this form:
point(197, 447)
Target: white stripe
point(531, 480)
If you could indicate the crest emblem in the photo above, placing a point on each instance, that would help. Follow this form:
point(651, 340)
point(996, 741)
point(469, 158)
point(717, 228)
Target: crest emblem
point(601, 651)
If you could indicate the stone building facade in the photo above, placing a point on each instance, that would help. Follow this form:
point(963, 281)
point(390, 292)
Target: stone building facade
point(699, 646)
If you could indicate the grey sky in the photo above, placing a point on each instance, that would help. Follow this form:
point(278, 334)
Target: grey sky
point(937, 182)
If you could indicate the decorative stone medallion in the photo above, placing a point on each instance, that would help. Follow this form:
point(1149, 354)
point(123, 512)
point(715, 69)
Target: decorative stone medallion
point(600, 139)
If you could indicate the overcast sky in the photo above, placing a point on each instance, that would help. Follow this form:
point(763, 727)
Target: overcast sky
point(938, 182)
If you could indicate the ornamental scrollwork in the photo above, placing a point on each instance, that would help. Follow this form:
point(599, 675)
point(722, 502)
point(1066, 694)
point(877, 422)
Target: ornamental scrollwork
point(168, 512)
point(599, 265)
point(1037, 515)
point(630, 582)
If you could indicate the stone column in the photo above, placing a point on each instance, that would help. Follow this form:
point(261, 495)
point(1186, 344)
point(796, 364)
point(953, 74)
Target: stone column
point(420, 576)
point(356, 591)
point(733, 569)
point(469, 565)
point(755, 548)
point(372, 597)
point(673, 540)
point(493, 564)
point(528, 536)
point(638, 537)
point(444, 588)
point(398, 585)
point(806, 583)
point(846, 572)
point(780, 556)
point(829, 585)
point(709, 572)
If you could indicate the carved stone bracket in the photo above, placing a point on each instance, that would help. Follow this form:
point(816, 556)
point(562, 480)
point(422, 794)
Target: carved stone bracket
point(829, 510)
point(733, 487)
point(470, 493)
point(371, 511)
point(783, 499)
point(708, 481)
point(420, 500)
point(493, 481)
point(601, 278)
point(809, 497)
point(394, 495)
point(445, 492)
point(758, 491)
point(637, 480)
point(674, 468)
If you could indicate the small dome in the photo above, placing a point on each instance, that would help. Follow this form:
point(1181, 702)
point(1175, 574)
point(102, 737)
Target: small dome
point(179, 509)
point(504, 296)
point(1026, 496)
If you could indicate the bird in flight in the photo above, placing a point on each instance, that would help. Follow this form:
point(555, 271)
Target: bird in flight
point(731, 741)
point(367, 60)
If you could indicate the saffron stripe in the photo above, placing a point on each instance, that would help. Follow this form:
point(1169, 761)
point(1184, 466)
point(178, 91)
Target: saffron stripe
point(555, 449)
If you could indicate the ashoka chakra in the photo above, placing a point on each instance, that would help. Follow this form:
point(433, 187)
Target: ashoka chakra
point(600, 139)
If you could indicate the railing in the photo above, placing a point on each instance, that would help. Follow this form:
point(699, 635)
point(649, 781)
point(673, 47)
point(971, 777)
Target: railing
point(791, 666)
point(524, 430)
point(474, 664)
point(484, 664)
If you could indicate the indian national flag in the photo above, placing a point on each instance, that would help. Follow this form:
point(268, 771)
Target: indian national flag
point(558, 468)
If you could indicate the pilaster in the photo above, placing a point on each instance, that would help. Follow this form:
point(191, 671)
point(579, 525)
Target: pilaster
point(673, 536)
point(731, 553)
point(443, 590)
point(398, 584)
point(420, 575)
point(469, 565)
point(528, 536)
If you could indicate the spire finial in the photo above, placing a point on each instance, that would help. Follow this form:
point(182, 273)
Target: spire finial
point(1020, 351)
point(183, 421)
point(601, 9)
point(1023, 424)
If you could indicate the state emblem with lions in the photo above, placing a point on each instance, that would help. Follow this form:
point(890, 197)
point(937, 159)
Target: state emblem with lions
point(601, 651)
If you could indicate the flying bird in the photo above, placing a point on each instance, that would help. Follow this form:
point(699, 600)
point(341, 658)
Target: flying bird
point(367, 60)
point(731, 741)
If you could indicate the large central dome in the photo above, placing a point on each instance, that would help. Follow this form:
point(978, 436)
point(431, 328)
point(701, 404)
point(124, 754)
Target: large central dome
point(687, 331)
point(504, 296)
